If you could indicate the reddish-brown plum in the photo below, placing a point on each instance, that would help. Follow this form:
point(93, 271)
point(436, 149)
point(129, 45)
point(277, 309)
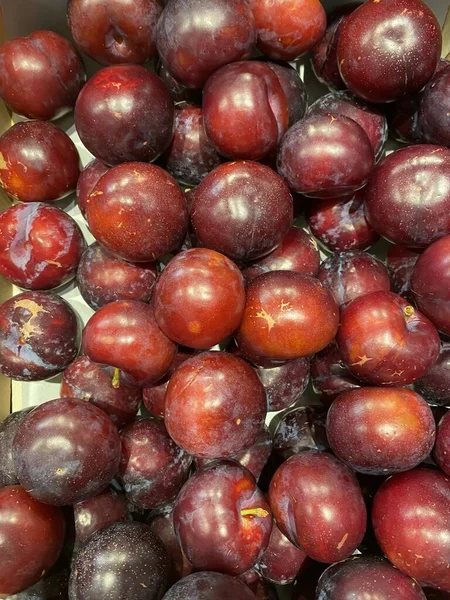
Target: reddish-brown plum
point(242, 209)
point(253, 458)
point(407, 200)
point(287, 315)
point(261, 588)
point(284, 384)
point(154, 396)
point(288, 28)
point(38, 336)
point(137, 211)
point(31, 84)
point(65, 451)
point(245, 110)
point(199, 298)
point(103, 278)
point(95, 383)
point(38, 162)
point(123, 560)
point(298, 251)
point(381, 431)
point(190, 156)
point(293, 88)
point(222, 520)
point(411, 519)
point(371, 119)
point(8, 429)
point(196, 37)
point(386, 341)
point(340, 223)
point(301, 428)
point(318, 505)
point(209, 586)
point(161, 523)
point(349, 275)
point(325, 155)
point(400, 262)
point(215, 405)
point(31, 538)
point(125, 335)
point(40, 246)
point(281, 560)
point(125, 113)
point(435, 108)
point(324, 54)
point(329, 375)
point(388, 49)
point(430, 283)
point(179, 92)
point(441, 452)
point(115, 31)
point(87, 181)
point(434, 386)
point(152, 468)
point(367, 577)
point(97, 512)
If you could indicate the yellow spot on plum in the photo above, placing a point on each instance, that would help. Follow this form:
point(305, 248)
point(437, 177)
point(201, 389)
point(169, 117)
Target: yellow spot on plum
point(342, 542)
point(262, 314)
point(362, 361)
point(194, 327)
point(238, 421)
point(3, 164)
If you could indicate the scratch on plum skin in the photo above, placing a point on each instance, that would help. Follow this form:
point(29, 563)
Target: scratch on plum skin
point(29, 328)
point(262, 314)
point(363, 360)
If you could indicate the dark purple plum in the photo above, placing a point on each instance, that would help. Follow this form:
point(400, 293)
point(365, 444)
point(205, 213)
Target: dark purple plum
point(441, 452)
point(209, 586)
point(66, 451)
point(281, 560)
point(434, 386)
point(87, 181)
point(434, 118)
point(284, 384)
point(329, 375)
point(8, 429)
point(400, 262)
point(300, 428)
point(130, 555)
point(294, 90)
point(38, 336)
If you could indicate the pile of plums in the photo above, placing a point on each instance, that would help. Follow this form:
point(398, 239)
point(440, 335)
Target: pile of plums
point(258, 405)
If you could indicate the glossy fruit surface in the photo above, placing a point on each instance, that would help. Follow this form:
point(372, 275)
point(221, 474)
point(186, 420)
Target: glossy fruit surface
point(98, 512)
point(125, 113)
point(196, 37)
point(95, 383)
point(340, 224)
point(191, 156)
point(371, 119)
point(442, 449)
point(139, 570)
point(385, 341)
point(400, 262)
point(328, 518)
point(329, 375)
point(40, 246)
point(381, 430)
point(8, 429)
point(79, 464)
point(87, 181)
point(215, 405)
point(26, 151)
point(430, 283)
point(411, 519)
point(137, 211)
point(125, 335)
point(222, 502)
point(284, 384)
point(209, 585)
point(115, 32)
point(349, 275)
point(25, 523)
point(277, 300)
point(260, 215)
point(103, 278)
point(245, 109)
point(293, 88)
point(434, 386)
point(407, 200)
point(38, 336)
point(29, 86)
point(199, 298)
point(298, 251)
point(281, 560)
point(434, 106)
point(288, 28)
point(389, 49)
point(152, 467)
point(325, 155)
point(369, 576)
